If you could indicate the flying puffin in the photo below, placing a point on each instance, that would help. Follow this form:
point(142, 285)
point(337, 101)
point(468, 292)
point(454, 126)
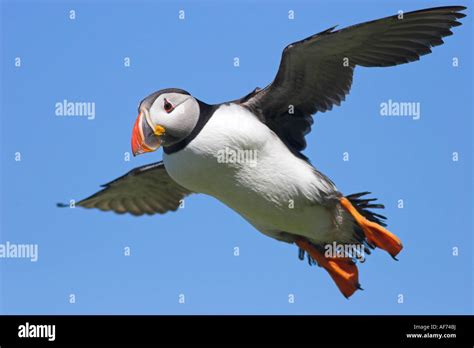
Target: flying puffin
point(279, 192)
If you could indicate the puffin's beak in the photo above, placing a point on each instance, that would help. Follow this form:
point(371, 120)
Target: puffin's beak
point(144, 138)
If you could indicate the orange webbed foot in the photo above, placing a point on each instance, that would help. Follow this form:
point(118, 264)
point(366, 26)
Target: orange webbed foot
point(342, 270)
point(375, 234)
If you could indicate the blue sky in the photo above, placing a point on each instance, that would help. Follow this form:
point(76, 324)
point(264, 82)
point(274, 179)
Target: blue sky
point(191, 252)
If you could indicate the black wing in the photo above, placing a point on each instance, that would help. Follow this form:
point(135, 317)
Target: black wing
point(316, 73)
point(144, 190)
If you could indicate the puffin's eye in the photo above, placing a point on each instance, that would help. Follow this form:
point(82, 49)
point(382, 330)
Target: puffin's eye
point(168, 106)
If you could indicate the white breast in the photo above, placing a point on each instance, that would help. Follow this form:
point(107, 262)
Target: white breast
point(241, 162)
point(197, 166)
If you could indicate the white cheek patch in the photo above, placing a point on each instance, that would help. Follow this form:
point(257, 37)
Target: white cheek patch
point(183, 119)
point(178, 123)
point(158, 111)
point(180, 109)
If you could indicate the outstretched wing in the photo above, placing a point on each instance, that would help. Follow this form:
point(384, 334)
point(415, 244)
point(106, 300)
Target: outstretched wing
point(144, 190)
point(316, 73)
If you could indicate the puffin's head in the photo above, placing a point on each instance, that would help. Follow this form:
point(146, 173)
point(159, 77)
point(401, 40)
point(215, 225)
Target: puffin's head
point(164, 117)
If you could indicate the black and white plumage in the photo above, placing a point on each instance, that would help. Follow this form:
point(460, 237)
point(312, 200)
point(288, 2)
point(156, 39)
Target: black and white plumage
point(282, 194)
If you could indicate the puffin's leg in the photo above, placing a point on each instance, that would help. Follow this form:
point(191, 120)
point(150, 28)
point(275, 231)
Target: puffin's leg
point(375, 234)
point(342, 269)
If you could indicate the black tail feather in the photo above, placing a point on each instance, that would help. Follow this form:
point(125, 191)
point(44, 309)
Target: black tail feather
point(357, 195)
point(363, 206)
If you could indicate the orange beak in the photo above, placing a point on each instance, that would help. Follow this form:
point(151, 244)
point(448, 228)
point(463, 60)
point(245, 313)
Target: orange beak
point(144, 138)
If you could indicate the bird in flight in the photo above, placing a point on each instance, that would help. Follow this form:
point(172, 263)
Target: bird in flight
point(247, 153)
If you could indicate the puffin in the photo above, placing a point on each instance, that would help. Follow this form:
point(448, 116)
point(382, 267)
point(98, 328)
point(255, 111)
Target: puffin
point(247, 153)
